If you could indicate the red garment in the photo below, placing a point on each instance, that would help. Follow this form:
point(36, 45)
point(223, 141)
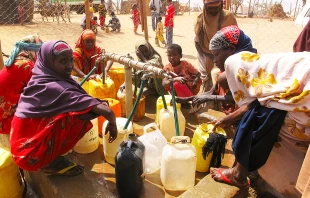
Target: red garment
point(189, 72)
point(182, 90)
point(36, 142)
point(102, 20)
point(82, 56)
point(13, 80)
point(135, 19)
point(169, 17)
point(302, 43)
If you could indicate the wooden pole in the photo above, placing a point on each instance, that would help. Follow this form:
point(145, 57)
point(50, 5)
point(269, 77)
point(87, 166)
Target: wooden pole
point(295, 10)
point(1, 58)
point(128, 88)
point(249, 8)
point(87, 14)
point(144, 20)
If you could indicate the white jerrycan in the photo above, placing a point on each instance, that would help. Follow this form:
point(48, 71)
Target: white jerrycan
point(90, 141)
point(110, 149)
point(154, 143)
point(167, 125)
point(178, 164)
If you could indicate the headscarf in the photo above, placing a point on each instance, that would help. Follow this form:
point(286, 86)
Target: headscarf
point(231, 35)
point(153, 54)
point(84, 55)
point(303, 41)
point(47, 93)
point(207, 25)
point(27, 45)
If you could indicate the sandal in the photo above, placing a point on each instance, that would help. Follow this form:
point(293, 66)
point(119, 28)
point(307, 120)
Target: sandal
point(64, 167)
point(226, 180)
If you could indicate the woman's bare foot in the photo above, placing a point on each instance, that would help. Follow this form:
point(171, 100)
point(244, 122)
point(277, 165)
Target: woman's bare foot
point(230, 176)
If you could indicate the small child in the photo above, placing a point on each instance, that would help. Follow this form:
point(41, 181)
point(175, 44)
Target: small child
point(114, 23)
point(160, 33)
point(186, 77)
point(135, 17)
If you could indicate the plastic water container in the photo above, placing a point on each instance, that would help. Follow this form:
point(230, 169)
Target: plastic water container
point(140, 110)
point(4, 141)
point(11, 183)
point(115, 105)
point(99, 90)
point(178, 164)
point(160, 104)
point(90, 141)
point(200, 137)
point(85, 86)
point(167, 125)
point(129, 167)
point(154, 143)
point(110, 149)
point(117, 74)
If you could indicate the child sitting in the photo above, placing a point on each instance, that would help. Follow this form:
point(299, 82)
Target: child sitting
point(160, 32)
point(186, 77)
point(114, 23)
point(135, 17)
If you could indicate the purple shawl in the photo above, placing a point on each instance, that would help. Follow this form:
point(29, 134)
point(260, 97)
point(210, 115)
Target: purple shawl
point(48, 94)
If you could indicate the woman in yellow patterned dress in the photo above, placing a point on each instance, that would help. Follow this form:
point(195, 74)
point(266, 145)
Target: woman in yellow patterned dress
point(273, 93)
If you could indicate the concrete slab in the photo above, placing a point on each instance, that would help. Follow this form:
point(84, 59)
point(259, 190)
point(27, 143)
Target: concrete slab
point(98, 179)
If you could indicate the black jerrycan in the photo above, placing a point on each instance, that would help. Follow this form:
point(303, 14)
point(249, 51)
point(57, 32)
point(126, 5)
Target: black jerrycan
point(129, 167)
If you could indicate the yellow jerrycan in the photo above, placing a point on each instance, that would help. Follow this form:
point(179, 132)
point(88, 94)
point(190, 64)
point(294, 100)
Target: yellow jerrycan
point(99, 90)
point(85, 86)
point(200, 137)
point(11, 183)
point(160, 105)
point(117, 74)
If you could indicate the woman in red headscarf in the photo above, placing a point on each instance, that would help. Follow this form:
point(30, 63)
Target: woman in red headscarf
point(84, 55)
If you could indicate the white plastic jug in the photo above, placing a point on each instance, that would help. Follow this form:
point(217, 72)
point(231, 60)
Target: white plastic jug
point(90, 141)
point(178, 164)
point(167, 125)
point(110, 149)
point(154, 143)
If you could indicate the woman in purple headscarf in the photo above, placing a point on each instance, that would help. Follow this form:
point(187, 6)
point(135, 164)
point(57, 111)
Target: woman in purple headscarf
point(53, 114)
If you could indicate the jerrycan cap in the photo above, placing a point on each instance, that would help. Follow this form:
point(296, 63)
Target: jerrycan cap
point(180, 140)
point(207, 128)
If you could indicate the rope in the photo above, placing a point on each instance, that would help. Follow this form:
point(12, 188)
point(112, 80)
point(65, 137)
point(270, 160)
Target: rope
point(176, 120)
point(160, 87)
point(135, 105)
point(18, 47)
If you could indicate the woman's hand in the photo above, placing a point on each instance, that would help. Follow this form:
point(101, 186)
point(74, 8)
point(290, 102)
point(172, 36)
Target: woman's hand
point(202, 98)
point(112, 129)
point(165, 82)
point(223, 122)
point(180, 79)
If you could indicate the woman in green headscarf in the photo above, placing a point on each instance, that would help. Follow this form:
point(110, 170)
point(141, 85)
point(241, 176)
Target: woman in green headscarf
point(147, 54)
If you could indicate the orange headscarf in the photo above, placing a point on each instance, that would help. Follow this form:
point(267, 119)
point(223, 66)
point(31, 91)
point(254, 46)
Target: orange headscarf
point(82, 56)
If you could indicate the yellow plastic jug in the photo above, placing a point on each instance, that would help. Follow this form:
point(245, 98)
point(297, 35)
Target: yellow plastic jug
point(167, 125)
point(99, 90)
point(117, 74)
point(200, 137)
point(110, 149)
point(90, 141)
point(160, 105)
point(4, 141)
point(85, 86)
point(11, 183)
point(178, 163)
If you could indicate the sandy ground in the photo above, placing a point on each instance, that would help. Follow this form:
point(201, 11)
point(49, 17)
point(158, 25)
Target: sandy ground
point(267, 37)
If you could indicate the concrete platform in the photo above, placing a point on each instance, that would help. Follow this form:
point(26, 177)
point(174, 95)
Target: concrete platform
point(98, 179)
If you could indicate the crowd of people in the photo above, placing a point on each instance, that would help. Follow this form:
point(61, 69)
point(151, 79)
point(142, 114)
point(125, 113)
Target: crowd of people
point(46, 112)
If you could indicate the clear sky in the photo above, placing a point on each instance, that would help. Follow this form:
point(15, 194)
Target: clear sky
point(285, 3)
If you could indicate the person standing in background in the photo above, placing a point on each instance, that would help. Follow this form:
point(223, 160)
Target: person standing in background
point(21, 13)
point(155, 6)
point(169, 24)
point(102, 13)
point(212, 19)
point(135, 17)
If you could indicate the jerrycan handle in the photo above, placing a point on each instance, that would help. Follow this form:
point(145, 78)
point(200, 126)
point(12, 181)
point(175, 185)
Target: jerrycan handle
point(129, 143)
point(146, 127)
